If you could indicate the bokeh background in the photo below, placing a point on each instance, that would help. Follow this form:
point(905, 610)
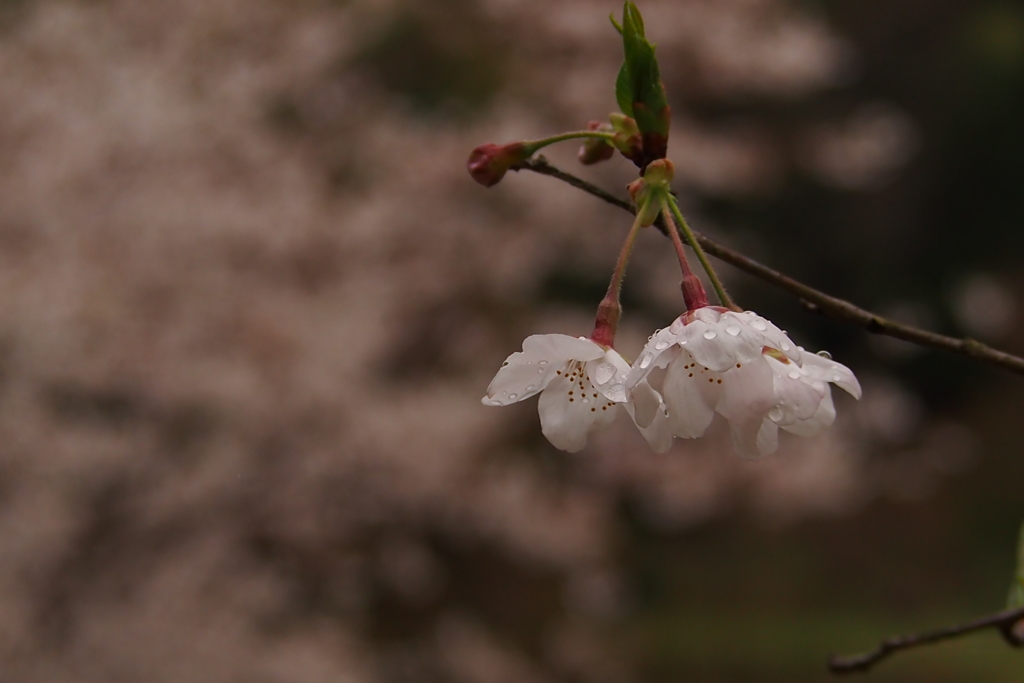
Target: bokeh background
point(250, 299)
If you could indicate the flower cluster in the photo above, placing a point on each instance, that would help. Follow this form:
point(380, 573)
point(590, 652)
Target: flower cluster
point(736, 364)
point(712, 359)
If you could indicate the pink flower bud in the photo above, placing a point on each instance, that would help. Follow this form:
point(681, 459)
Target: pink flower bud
point(488, 163)
point(595, 150)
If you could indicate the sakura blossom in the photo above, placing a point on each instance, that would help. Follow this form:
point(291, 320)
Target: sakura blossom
point(581, 383)
point(745, 368)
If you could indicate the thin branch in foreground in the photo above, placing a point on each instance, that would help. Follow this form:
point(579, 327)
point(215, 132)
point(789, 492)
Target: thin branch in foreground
point(1003, 621)
point(813, 299)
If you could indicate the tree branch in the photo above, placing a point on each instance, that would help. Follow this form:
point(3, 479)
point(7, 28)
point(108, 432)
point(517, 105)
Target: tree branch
point(1003, 621)
point(813, 299)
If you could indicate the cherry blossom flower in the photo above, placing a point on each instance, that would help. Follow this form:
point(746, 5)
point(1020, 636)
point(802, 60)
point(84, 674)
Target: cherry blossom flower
point(581, 383)
point(803, 398)
point(746, 369)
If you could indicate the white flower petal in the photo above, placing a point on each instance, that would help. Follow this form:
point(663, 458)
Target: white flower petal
point(560, 348)
point(708, 314)
point(691, 393)
point(773, 336)
point(797, 396)
point(659, 434)
point(651, 359)
point(824, 417)
point(748, 395)
point(748, 390)
point(527, 372)
point(767, 437)
point(567, 418)
point(517, 381)
point(754, 330)
point(609, 374)
point(721, 345)
point(662, 342)
point(651, 417)
point(644, 405)
point(827, 370)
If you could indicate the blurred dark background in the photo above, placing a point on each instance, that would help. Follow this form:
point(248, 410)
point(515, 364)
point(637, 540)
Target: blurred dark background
point(251, 298)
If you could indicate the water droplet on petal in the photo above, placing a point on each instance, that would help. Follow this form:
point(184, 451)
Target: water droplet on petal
point(825, 354)
point(645, 361)
point(529, 388)
point(617, 393)
point(661, 345)
point(793, 374)
point(710, 334)
point(759, 325)
point(540, 372)
point(733, 330)
point(836, 378)
point(785, 345)
point(604, 372)
point(586, 400)
point(775, 414)
point(513, 396)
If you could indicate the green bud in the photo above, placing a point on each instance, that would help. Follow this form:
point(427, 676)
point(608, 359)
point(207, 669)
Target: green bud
point(638, 88)
point(623, 124)
point(660, 173)
point(627, 138)
point(647, 205)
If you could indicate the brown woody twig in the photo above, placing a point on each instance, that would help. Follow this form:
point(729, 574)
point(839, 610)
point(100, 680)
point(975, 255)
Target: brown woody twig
point(813, 299)
point(1004, 621)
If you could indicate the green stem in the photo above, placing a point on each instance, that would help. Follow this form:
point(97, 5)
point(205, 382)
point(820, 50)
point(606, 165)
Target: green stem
point(669, 205)
point(609, 310)
point(691, 286)
point(615, 286)
point(673, 234)
point(534, 145)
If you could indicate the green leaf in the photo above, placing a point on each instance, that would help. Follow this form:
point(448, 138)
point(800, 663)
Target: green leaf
point(1016, 598)
point(617, 25)
point(624, 91)
point(630, 10)
point(639, 79)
